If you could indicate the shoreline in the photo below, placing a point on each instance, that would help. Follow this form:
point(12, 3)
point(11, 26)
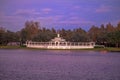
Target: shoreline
point(110, 49)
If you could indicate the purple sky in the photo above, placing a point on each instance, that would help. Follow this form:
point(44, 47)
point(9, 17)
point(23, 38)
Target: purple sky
point(59, 14)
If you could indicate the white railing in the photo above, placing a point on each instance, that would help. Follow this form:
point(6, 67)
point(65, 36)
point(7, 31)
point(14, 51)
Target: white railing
point(60, 44)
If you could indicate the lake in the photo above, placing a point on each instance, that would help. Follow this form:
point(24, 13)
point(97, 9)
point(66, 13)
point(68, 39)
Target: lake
point(59, 65)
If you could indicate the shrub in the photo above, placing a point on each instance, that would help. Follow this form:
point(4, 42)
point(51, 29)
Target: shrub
point(99, 46)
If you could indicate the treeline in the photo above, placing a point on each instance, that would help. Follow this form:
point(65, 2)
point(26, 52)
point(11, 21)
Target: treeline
point(107, 35)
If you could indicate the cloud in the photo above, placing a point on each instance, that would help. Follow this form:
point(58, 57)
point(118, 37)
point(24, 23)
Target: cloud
point(74, 22)
point(103, 9)
point(11, 22)
point(76, 7)
point(23, 12)
point(63, 20)
point(74, 18)
point(49, 20)
point(46, 10)
point(9, 18)
point(32, 12)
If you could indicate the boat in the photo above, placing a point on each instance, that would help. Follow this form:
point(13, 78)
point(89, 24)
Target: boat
point(60, 43)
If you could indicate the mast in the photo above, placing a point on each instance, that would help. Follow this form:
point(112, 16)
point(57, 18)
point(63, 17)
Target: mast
point(58, 35)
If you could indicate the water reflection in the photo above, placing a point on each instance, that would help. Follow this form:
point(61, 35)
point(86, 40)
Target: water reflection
point(104, 52)
point(58, 65)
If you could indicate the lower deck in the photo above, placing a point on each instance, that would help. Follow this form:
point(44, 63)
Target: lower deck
point(60, 45)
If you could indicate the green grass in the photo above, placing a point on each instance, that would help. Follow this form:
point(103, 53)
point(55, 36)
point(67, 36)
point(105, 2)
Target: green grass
point(106, 49)
point(9, 47)
point(113, 49)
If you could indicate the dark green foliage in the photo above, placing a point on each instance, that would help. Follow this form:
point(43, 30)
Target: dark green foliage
point(113, 38)
point(8, 36)
point(78, 37)
point(44, 36)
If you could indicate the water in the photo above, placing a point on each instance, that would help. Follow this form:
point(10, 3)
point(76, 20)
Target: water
point(59, 65)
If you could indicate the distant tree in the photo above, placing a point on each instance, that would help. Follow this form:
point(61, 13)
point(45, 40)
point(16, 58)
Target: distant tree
point(113, 38)
point(118, 27)
point(12, 36)
point(110, 28)
point(79, 35)
point(101, 37)
point(63, 33)
point(53, 30)
point(2, 35)
point(44, 35)
point(30, 31)
point(7, 36)
point(24, 35)
point(108, 35)
point(102, 28)
point(69, 34)
point(79, 30)
point(94, 32)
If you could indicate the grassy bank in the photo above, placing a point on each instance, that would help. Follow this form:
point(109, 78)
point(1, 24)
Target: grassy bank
point(113, 49)
point(94, 49)
point(106, 49)
point(9, 47)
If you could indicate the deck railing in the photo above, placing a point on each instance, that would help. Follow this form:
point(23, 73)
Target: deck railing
point(60, 43)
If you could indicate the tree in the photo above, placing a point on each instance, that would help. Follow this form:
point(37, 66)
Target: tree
point(44, 35)
point(110, 28)
point(118, 27)
point(30, 31)
point(7, 36)
point(53, 30)
point(79, 35)
point(2, 35)
point(69, 34)
point(114, 38)
point(94, 32)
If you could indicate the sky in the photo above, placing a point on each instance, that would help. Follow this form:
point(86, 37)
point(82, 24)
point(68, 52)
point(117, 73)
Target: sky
point(67, 14)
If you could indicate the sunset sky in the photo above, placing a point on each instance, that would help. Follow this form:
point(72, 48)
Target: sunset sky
point(59, 14)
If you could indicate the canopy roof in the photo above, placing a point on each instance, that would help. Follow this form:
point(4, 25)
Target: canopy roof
point(58, 39)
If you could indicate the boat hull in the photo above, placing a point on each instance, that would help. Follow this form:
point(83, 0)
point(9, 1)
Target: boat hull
point(59, 47)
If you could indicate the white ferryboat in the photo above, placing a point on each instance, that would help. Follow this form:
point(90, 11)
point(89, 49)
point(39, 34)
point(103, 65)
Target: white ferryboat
point(60, 43)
